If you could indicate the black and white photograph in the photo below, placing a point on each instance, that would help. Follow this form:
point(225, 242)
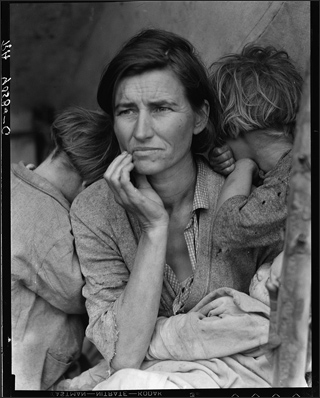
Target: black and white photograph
point(158, 160)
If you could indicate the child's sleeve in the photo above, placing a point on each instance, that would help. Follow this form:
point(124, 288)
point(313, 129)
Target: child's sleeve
point(253, 221)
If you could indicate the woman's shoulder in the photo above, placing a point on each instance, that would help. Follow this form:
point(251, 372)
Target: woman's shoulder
point(96, 210)
point(203, 162)
point(214, 181)
point(97, 198)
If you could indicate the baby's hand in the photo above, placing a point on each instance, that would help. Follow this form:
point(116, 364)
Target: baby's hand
point(221, 160)
point(221, 306)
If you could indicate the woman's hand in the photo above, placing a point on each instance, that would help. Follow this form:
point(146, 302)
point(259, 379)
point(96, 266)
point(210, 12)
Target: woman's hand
point(138, 305)
point(221, 160)
point(141, 200)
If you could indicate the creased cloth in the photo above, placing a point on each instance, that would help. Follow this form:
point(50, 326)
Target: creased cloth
point(196, 335)
point(222, 351)
point(197, 350)
point(86, 381)
point(46, 283)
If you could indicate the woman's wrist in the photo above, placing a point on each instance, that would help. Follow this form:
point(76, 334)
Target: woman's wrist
point(156, 231)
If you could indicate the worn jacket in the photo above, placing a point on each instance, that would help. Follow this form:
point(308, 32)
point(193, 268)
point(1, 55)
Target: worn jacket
point(46, 283)
point(258, 219)
point(106, 240)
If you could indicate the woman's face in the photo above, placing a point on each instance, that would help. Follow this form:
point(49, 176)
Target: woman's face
point(154, 121)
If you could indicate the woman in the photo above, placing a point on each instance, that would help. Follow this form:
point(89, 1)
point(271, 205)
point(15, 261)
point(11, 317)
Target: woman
point(144, 237)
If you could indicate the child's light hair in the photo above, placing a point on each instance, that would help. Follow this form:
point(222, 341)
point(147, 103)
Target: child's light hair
point(257, 89)
point(84, 139)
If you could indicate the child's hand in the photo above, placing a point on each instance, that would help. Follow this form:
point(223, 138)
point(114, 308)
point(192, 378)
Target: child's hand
point(221, 160)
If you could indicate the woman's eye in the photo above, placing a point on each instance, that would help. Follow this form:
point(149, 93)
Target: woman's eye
point(125, 112)
point(162, 109)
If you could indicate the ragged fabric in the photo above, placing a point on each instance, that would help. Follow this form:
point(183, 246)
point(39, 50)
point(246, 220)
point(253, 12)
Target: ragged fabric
point(215, 373)
point(47, 305)
point(241, 326)
point(218, 344)
point(86, 381)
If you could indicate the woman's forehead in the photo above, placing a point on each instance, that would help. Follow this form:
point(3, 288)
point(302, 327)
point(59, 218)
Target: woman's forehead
point(154, 84)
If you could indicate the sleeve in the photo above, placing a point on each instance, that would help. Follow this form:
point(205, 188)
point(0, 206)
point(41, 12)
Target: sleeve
point(254, 221)
point(106, 276)
point(53, 275)
point(59, 280)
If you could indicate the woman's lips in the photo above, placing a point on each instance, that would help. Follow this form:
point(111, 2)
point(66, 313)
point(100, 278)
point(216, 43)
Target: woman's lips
point(144, 150)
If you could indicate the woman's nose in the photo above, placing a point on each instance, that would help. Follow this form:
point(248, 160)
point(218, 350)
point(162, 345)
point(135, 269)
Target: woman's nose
point(143, 128)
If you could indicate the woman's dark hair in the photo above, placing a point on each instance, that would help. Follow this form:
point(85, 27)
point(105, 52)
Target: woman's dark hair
point(153, 49)
point(84, 140)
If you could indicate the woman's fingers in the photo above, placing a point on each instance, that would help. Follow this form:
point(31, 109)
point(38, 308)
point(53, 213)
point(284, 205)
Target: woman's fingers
point(118, 169)
point(141, 200)
point(113, 168)
point(118, 177)
point(123, 185)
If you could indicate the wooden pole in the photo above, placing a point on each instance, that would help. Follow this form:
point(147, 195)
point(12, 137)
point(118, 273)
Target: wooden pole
point(289, 323)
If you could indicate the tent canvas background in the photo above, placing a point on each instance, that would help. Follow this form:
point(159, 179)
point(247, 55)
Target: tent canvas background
point(60, 49)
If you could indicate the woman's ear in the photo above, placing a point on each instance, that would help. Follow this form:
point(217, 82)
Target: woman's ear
point(202, 117)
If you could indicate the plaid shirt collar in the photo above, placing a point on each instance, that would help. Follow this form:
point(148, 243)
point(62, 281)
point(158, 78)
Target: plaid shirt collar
point(201, 197)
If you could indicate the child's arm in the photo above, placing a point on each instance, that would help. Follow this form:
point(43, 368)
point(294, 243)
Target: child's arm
point(257, 218)
point(239, 182)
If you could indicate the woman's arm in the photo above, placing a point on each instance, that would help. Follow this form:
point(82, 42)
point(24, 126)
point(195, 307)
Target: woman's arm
point(138, 306)
point(122, 306)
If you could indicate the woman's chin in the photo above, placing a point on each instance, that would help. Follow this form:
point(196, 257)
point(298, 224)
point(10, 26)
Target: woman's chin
point(146, 168)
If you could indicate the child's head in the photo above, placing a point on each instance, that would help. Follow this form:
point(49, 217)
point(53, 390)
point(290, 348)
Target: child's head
point(257, 288)
point(258, 89)
point(83, 139)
